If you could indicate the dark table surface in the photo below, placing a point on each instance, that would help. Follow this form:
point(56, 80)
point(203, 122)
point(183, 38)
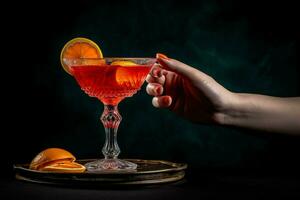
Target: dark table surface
point(197, 185)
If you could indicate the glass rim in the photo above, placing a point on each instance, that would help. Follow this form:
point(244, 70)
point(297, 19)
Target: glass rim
point(120, 58)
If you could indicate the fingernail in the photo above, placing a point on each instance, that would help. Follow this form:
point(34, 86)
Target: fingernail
point(158, 90)
point(162, 56)
point(167, 101)
point(155, 102)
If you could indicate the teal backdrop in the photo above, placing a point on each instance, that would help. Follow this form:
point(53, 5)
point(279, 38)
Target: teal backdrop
point(246, 46)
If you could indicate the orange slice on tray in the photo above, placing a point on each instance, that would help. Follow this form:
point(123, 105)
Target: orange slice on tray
point(66, 167)
point(78, 48)
point(56, 159)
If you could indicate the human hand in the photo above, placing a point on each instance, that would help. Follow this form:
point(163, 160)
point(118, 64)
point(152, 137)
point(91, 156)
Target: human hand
point(198, 97)
point(187, 91)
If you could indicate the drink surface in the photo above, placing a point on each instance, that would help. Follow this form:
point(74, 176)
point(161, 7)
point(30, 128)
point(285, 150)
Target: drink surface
point(110, 83)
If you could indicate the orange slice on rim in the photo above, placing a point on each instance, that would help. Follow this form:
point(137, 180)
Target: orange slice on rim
point(79, 48)
point(123, 63)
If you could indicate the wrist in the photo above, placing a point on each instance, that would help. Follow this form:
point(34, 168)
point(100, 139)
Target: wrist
point(233, 111)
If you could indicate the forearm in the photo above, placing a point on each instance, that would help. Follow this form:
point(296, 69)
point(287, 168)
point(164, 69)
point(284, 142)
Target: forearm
point(265, 113)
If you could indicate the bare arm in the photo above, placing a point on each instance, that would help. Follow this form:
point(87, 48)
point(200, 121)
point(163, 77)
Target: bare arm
point(266, 113)
point(199, 98)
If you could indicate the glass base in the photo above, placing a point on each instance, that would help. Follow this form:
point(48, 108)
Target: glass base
point(110, 165)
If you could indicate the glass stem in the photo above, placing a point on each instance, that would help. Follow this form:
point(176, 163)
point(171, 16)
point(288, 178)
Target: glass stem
point(111, 119)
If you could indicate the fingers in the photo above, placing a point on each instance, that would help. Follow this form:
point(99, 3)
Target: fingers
point(176, 66)
point(156, 71)
point(156, 79)
point(196, 77)
point(160, 80)
point(154, 89)
point(180, 68)
point(156, 75)
point(162, 101)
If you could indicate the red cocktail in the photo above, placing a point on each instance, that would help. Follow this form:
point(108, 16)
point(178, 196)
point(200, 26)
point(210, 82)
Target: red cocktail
point(110, 80)
point(110, 83)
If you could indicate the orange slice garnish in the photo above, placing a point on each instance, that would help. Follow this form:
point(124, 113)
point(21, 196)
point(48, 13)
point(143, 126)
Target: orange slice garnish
point(122, 74)
point(56, 159)
point(79, 48)
point(123, 63)
point(50, 155)
point(67, 167)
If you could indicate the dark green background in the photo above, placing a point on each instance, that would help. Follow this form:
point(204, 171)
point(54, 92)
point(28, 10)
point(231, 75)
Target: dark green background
point(247, 46)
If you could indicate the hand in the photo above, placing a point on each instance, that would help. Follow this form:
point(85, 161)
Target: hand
point(187, 91)
point(198, 97)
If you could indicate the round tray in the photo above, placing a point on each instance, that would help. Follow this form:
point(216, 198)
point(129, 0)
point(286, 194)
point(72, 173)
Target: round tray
point(149, 172)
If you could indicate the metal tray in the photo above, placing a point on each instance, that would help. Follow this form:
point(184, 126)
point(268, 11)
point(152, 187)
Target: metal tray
point(149, 172)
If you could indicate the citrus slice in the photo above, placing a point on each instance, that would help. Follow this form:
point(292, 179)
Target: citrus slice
point(67, 167)
point(49, 156)
point(123, 63)
point(123, 75)
point(79, 48)
point(56, 159)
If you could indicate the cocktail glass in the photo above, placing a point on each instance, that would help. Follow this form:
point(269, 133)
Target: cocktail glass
point(110, 83)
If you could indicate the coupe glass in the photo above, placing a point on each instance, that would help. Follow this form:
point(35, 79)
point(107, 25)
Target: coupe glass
point(110, 80)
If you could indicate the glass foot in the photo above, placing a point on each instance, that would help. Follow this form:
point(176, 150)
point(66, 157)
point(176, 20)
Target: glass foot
point(110, 164)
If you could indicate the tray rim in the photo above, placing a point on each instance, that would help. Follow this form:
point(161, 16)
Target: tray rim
point(174, 174)
point(177, 167)
point(102, 183)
